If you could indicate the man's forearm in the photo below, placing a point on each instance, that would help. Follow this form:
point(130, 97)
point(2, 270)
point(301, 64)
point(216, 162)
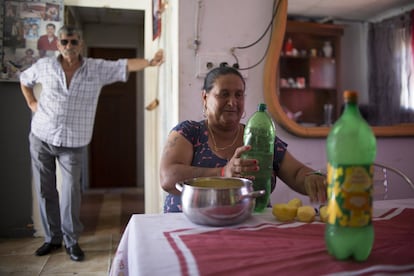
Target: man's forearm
point(137, 64)
point(29, 96)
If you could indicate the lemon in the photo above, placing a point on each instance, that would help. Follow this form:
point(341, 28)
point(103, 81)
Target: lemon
point(284, 212)
point(296, 202)
point(306, 214)
point(323, 213)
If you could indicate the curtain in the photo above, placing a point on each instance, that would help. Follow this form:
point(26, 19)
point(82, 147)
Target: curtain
point(390, 52)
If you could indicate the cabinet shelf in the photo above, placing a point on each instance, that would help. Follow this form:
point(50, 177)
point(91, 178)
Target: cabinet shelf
point(307, 79)
point(315, 89)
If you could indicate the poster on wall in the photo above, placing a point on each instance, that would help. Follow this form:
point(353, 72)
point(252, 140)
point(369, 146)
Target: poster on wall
point(29, 33)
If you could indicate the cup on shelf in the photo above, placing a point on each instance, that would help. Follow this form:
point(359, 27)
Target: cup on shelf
point(284, 83)
point(291, 82)
point(327, 49)
point(327, 112)
point(300, 82)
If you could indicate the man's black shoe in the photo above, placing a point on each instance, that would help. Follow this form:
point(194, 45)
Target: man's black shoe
point(75, 252)
point(46, 248)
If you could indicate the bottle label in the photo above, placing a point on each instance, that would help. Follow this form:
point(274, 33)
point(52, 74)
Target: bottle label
point(350, 195)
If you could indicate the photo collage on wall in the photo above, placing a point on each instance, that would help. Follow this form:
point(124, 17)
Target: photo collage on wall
point(29, 33)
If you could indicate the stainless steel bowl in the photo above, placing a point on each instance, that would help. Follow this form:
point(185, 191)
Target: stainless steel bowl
point(217, 201)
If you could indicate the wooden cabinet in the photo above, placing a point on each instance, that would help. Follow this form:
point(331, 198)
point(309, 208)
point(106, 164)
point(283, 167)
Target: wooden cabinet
point(309, 77)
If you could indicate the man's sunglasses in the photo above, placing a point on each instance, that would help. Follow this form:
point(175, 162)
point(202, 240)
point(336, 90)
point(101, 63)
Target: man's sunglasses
point(65, 42)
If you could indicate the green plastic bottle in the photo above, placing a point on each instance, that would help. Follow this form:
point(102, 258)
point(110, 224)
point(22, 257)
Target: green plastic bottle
point(260, 134)
point(351, 151)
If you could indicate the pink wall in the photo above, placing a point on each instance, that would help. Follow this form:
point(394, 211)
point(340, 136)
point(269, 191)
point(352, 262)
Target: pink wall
point(222, 28)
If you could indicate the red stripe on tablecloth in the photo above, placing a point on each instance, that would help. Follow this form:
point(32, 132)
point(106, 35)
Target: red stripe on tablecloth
point(387, 213)
point(273, 250)
point(180, 255)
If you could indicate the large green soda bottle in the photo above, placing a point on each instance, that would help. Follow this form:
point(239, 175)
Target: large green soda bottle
point(260, 134)
point(351, 150)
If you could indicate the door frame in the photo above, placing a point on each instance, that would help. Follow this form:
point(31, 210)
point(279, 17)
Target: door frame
point(168, 87)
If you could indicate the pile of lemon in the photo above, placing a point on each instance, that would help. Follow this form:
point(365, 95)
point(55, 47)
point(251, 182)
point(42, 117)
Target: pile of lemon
point(295, 210)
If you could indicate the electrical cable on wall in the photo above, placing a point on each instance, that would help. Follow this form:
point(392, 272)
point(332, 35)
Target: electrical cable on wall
point(197, 41)
point(269, 27)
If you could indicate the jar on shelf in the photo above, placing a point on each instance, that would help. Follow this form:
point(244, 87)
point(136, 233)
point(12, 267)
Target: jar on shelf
point(327, 49)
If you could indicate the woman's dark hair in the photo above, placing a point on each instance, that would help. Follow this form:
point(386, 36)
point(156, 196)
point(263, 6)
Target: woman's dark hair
point(217, 72)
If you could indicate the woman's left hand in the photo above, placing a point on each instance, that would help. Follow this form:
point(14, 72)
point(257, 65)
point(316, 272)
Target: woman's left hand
point(315, 186)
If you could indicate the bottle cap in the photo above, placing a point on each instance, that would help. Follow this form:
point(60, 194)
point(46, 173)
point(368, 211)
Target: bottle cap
point(261, 107)
point(350, 96)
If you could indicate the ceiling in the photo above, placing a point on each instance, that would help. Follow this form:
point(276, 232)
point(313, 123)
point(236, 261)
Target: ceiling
point(321, 10)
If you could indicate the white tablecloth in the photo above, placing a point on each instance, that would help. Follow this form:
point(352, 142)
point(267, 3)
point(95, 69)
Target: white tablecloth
point(169, 244)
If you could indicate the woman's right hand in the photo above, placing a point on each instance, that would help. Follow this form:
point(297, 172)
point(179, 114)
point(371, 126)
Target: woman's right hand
point(240, 167)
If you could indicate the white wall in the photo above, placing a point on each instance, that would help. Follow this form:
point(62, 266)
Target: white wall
point(221, 28)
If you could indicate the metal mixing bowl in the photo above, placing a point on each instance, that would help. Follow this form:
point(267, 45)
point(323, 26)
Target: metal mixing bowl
point(217, 201)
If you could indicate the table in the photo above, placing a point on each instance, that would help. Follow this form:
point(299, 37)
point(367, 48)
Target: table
point(169, 244)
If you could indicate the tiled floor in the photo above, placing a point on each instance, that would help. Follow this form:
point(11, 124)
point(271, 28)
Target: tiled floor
point(104, 214)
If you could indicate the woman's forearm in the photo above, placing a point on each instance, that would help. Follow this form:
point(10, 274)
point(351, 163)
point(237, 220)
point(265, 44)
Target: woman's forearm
point(179, 172)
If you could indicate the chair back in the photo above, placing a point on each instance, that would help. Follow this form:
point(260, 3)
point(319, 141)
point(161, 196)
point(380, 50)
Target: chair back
point(382, 180)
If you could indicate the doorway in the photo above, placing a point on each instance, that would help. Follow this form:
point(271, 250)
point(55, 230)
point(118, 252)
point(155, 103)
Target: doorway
point(113, 150)
point(102, 28)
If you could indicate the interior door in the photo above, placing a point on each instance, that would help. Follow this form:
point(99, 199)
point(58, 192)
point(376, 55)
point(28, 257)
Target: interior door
point(113, 151)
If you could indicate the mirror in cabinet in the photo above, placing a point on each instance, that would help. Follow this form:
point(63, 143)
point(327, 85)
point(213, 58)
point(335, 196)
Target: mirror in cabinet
point(309, 73)
point(301, 81)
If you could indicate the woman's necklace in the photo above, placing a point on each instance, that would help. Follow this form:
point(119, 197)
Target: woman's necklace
point(225, 147)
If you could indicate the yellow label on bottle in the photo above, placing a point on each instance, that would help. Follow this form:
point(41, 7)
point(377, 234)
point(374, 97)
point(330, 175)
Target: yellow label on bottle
point(350, 195)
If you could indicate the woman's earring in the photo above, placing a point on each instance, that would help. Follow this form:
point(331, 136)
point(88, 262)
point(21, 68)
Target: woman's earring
point(243, 115)
point(205, 112)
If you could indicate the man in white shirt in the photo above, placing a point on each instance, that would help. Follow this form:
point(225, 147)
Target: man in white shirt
point(62, 127)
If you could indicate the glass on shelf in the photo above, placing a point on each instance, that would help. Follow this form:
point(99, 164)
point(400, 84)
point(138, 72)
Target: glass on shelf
point(298, 82)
